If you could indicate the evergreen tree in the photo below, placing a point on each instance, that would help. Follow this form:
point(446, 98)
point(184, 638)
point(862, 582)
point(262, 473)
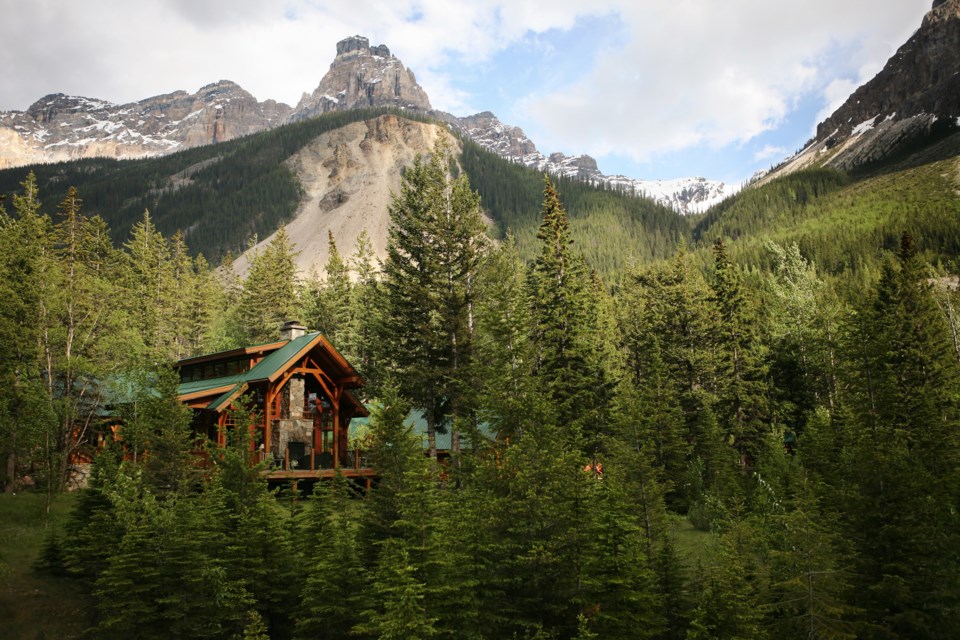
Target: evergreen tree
point(504, 354)
point(742, 390)
point(901, 478)
point(567, 359)
point(360, 348)
point(333, 594)
point(434, 251)
point(84, 336)
point(268, 297)
point(326, 304)
point(25, 410)
point(400, 612)
point(152, 286)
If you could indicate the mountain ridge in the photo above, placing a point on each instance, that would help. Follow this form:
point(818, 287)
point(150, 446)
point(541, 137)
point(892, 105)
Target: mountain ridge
point(59, 127)
point(912, 100)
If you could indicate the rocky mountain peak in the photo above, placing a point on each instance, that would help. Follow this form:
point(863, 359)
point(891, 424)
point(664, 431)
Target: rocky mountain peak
point(917, 90)
point(60, 127)
point(361, 45)
point(362, 76)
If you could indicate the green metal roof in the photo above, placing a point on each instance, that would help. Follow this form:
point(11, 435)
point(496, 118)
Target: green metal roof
point(418, 421)
point(263, 370)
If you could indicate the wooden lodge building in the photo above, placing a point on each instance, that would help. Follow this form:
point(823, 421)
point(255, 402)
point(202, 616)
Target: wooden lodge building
point(303, 394)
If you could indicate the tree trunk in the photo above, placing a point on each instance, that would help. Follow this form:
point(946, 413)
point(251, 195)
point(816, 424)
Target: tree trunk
point(11, 470)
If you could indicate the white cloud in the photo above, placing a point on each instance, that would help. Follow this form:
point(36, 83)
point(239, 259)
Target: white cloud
point(769, 151)
point(684, 73)
point(698, 73)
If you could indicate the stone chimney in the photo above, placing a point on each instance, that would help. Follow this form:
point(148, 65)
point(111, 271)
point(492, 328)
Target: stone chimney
point(291, 330)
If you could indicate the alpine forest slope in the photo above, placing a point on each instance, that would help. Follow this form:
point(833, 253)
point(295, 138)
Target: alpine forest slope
point(335, 173)
point(885, 162)
point(59, 127)
point(845, 222)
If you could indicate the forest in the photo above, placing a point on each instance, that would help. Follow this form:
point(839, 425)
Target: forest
point(739, 437)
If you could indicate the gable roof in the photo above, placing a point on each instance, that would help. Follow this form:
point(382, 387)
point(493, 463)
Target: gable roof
point(279, 357)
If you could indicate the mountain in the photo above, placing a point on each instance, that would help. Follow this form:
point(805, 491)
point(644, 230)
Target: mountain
point(686, 195)
point(912, 101)
point(885, 162)
point(59, 127)
point(335, 173)
point(361, 76)
point(347, 177)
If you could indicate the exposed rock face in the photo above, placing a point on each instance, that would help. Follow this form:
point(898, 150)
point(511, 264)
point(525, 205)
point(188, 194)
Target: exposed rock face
point(921, 78)
point(919, 86)
point(348, 176)
point(362, 76)
point(59, 127)
point(485, 129)
point(686, 195)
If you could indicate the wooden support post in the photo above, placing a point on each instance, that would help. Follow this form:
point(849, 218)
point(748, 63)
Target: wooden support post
point(267, 424)
point(222, 430)
point(336, 431)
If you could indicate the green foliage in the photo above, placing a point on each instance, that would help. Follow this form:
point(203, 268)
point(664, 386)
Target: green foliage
point(612, 229)
point(434, 251)
point(567, 339)
point(268, 296)
point(335, 591)
point(799, 408)
point(220, 196)
point(839, 224)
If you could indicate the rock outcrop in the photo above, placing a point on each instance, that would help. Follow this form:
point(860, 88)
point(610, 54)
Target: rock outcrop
point(348, 176)
point(362, 76)
point(59, 127)
point(897, 110)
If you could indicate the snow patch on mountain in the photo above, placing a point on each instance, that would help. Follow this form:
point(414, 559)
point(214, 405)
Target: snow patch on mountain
point(686, 195)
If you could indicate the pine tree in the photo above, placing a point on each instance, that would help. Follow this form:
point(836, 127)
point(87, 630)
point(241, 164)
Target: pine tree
point(25, 409)
point(901, 479)
point(333, 594)
point(567, 360)
point(268, 297)
point(84, 336)
point(400, 612)
point(327, 304)
point(360, 348)
point(742, 390)
point(434, 250)
point(152, 287)
point(504, 354)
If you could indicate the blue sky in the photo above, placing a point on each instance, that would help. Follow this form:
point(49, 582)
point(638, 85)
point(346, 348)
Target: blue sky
point(650, 88)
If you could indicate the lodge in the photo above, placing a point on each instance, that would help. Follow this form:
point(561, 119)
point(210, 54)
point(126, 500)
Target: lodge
point(303, 392)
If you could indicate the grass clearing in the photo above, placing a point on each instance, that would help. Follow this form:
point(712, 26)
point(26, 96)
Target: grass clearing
point(33, 605)
point(693, 545)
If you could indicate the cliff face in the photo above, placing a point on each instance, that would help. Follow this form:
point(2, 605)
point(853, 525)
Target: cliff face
point(918, 88)
point(362, 76)
point(348, 176)
point(59, 127)
point(921, 78)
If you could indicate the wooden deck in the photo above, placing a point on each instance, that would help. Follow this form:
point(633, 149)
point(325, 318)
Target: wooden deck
point(306, 474)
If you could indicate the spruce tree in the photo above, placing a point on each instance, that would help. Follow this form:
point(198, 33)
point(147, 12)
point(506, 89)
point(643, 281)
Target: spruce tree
point(567, 359)
point(268, 295)
point(901, 478)
point(741, 384)
point(25, 409)
point(334, 592)
point(435, 245)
